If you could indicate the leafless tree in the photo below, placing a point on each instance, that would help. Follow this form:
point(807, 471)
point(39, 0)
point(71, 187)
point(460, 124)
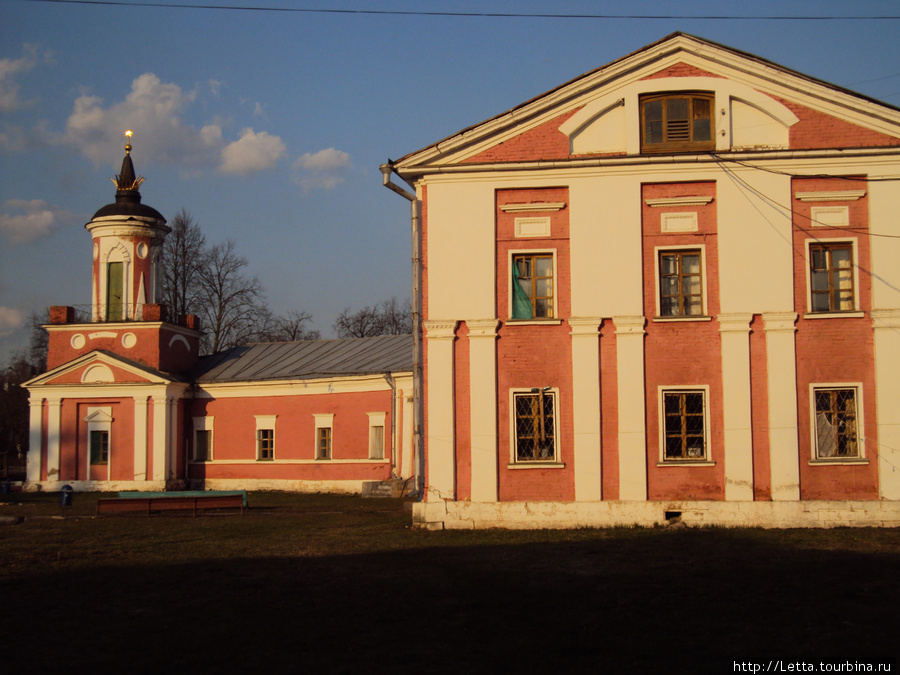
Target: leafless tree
point(389, 317)
point(184, 256)
point(232, 307)
point(38, 341)
point(290, 327)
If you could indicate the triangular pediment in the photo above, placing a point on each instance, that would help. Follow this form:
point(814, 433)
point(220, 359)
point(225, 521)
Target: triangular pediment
point(758, 105)
point(99, 368)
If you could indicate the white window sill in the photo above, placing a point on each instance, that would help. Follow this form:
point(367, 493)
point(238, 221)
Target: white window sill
point(679, 319)
point(533, 322)
point(536, 465)
point(834, 315)
point(839, 461)
point(685, 462)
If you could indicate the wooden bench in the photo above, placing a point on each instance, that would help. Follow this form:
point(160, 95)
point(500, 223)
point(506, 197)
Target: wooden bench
point(174, 503)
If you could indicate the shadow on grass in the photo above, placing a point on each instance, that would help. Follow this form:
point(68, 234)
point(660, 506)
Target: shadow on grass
point(607, 601)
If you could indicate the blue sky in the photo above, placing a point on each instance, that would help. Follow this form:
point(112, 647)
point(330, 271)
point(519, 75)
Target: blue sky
point(269, 127)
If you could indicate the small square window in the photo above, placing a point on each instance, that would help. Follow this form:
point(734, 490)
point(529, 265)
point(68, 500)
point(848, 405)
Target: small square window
point(265, 444)
point(684, 426)
point(535, 426)
point(532, 286)
point(837, 434)
point(681, 283)
point(831, 277)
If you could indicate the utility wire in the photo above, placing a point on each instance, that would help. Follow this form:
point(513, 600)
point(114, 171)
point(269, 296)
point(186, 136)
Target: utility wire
point(492, 15)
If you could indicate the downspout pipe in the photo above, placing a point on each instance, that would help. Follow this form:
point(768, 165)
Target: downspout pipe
point(416, 302)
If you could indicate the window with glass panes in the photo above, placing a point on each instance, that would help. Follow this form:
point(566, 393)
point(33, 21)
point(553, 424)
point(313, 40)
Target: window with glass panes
point(532, 286)
point(677, 122)
point(685, 425)
point(680, 283)
point(836, 423)
point(323, 443)
point(99, 447)
point(265, 444)
point(831, 277)
point(535, 426)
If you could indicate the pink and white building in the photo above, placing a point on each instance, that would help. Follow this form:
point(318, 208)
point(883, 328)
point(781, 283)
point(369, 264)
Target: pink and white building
point(669, 287)
point(127, 403)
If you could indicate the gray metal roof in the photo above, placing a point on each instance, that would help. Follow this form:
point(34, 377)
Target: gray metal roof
point(308, 359)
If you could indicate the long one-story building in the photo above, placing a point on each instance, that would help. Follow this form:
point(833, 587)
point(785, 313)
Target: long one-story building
point(127, 402)
point(667, 288)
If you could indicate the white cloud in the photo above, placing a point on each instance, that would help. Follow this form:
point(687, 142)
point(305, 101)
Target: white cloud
point(325, 169)
point(215, 87)
point(10, 98)
point(26, 221)
point(10, 320)
point(251, 152)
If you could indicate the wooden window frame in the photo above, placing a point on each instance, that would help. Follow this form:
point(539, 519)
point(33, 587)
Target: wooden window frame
point(265, 444)
point(681, 275)
point(682, 430)
point(103, 458)
point(833, 293)
point(679, 145)
point(544, 426)
point(532, 256)
point(323, 442)
point(848, 424)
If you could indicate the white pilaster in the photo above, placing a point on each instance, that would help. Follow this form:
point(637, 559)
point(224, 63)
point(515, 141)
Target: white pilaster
point(140, 437)
point(35, 439)
point(54, 421)
point(160, 437)
point(586, 407)
point(632, 411)
point(886, 323)
point(736, 403)
point(173, 427)
point(483, 407)
point(440, 478)
point(784, 450)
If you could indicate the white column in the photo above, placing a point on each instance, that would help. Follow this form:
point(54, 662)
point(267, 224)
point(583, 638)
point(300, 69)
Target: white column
point(735, 332)
point(886, 323)
point(781, 363)
point(173, 427)
point(54, 421)
point(483, 408)
point(35, 439)
point(586, 407)
point(440, 478)
point(632, 411)
point(140, 437)
point(160, 437)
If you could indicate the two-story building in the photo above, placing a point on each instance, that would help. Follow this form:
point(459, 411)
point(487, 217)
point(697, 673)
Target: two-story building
point(667, 288)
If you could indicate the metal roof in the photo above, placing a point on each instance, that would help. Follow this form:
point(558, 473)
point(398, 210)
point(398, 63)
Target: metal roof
point(308, 359)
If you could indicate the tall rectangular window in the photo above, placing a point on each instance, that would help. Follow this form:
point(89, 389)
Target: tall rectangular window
point(323, 443)
point(535, 426)
point(532, 286)
point(837, 433)
point(680, 283)
point(99, 447)
point(684, 425)
point(831, 277)
point(115, 291)
point(265, 444)
point(203, 439)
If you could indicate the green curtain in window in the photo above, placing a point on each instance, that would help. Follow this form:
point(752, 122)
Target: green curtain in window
point(521, 306)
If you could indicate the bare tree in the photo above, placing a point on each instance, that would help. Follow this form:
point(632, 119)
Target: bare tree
point(184, 256)
point(289, 327)
point(38, 341)
point(232, 307)
point(389, 317)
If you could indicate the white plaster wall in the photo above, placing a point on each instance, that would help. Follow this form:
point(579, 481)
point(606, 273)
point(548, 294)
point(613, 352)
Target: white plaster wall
point(884, 218)
point(605, 133)
point(753, 128)
point(460, 255)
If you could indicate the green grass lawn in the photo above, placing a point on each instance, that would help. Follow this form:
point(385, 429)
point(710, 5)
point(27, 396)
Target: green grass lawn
point(340, 584)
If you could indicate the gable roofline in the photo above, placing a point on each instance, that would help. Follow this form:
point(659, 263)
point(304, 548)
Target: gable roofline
point(106, 358)
point(550, 101)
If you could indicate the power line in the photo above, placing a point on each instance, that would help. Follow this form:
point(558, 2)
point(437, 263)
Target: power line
point(489, 15)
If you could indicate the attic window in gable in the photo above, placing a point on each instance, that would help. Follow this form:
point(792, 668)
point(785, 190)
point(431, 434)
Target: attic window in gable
point(677, 122)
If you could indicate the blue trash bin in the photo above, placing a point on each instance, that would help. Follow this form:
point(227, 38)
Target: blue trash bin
point(65, 496)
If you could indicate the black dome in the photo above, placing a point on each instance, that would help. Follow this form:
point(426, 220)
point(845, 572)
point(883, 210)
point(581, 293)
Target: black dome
point(128, 205)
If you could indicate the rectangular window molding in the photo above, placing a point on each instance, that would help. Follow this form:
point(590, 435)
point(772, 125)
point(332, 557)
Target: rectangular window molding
point(684, 426)
point(680, 283)
point(532, 206)
point(532, 227)
point(658, 202)
point(203, 439)
point(830, 196)
point(836, 423)
point(99, 432)
point(376, 435)
point(832, 277)
point(265, 437)
point(829, 216)
point(324, 436)
point(532, 285)
point(534, 427)
point(679, 222)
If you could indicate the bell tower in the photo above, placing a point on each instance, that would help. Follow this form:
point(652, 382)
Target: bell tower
point(125, 315)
